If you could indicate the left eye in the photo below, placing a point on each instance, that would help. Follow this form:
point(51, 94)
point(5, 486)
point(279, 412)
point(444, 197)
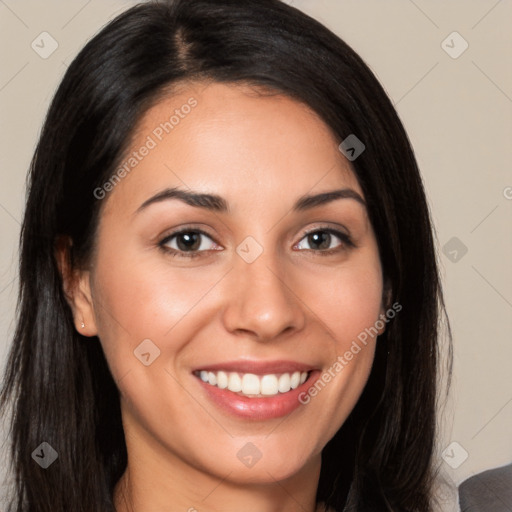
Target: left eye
point(323, 239)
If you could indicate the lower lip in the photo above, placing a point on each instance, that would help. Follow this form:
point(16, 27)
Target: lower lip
point(261, 408)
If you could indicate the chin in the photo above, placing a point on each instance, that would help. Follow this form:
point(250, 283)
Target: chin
point(268, 465)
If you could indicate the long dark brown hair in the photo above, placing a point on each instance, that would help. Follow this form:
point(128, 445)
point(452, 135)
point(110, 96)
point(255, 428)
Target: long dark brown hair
point(59, 387)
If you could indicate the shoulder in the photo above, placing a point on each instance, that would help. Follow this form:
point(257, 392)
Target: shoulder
point(490, 490)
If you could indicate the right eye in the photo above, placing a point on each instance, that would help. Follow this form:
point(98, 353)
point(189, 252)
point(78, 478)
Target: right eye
point(188, 243)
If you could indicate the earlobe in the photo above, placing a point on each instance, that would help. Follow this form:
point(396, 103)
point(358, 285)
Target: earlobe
point(76, 288)
point(83, 310)
point(380, 324)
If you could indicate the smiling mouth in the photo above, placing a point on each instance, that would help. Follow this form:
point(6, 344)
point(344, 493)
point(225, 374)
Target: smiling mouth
point(252, 385)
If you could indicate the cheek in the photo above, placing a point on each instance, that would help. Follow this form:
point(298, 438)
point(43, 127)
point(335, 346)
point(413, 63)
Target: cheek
point(348, 305)
point(348, 301)
point(137, 299)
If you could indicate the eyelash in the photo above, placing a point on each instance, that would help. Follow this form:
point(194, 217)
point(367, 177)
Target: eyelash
point(346, 242)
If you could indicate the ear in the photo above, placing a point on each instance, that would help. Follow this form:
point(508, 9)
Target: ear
point(387, 294)
point(77, 288)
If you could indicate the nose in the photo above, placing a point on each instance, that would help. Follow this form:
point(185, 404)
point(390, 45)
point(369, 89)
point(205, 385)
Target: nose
point(260, 300)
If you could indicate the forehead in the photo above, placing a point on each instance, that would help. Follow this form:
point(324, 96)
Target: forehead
point(233, 140)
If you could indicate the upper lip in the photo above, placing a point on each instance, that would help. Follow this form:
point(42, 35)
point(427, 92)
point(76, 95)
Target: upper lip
point(257, 367)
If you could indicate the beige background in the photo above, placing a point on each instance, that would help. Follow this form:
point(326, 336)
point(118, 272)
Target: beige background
point(457, 112)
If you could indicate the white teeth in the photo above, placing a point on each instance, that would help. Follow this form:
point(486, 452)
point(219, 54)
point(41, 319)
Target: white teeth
point(222, 380)
point(294, 381)
point(284, 383)
point(269, 385)
point(253, 385)
point(250, 384)
point(234, 382)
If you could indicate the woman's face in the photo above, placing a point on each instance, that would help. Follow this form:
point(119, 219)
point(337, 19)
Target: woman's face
point(270, 282)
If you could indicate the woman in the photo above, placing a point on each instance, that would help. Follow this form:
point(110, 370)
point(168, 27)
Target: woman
point(229, 291)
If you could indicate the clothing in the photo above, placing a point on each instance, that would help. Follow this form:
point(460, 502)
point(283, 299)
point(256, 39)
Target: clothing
point(490, 491)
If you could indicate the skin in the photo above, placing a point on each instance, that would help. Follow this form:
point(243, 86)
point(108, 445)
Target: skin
point(260, 153)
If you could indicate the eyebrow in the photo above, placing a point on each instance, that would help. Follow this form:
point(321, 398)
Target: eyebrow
point(217, 203)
